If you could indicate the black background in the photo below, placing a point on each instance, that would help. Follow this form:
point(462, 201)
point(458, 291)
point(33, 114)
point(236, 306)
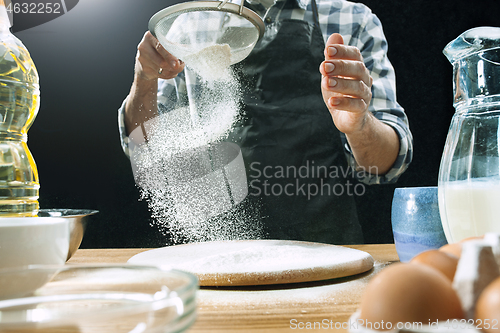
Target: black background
point(85, 60)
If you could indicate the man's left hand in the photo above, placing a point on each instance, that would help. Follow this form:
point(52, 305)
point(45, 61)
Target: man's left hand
point(346, 85)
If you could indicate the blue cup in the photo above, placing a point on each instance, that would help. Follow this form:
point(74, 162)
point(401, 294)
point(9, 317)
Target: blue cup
point(416, 224)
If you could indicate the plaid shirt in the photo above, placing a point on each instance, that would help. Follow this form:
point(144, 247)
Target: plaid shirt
point(360, 28)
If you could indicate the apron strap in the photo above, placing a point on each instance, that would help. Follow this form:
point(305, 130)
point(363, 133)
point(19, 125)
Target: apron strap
point(274, 11)
point(315, 13)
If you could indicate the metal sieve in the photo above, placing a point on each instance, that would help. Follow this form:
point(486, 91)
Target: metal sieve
point(187, 28)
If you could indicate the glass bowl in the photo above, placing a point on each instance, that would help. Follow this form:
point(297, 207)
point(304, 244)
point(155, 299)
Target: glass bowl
point(98, 298)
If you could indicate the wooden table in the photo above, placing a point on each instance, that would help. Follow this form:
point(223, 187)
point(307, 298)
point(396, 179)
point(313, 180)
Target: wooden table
point(296, 307)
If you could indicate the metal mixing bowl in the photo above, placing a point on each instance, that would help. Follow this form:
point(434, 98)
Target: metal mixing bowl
point(79, 219)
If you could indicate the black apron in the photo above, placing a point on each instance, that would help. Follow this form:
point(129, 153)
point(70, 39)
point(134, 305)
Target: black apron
point(293, 153)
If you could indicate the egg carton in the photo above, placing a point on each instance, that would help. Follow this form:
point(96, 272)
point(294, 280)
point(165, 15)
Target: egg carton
point(452, 325)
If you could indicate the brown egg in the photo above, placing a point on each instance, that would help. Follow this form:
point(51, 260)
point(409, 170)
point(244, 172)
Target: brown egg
point(488, 308)
point(445, 262)
point(471, 238)
point(454, 249)
point(407, 293)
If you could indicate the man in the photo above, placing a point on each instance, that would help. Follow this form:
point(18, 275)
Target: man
point(319, 61)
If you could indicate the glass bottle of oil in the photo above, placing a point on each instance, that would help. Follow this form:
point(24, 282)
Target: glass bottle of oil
point(19, 103)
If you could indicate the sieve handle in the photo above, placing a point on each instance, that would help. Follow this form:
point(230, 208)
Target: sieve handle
point(222, 4)
point(226, 1)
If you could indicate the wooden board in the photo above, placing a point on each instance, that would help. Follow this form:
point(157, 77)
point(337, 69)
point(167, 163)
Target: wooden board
point(259, 262)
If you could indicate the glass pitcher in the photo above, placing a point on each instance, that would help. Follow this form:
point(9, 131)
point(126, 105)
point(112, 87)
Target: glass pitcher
point(469, 174)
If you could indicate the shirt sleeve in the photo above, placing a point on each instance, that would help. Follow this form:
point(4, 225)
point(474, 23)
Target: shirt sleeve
point(124, 139)
point(370, 39)
point(170, 94)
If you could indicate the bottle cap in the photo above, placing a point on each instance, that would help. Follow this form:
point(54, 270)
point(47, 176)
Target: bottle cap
point(6, 15)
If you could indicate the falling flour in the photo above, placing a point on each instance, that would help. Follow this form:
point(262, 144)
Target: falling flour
point(188, 195)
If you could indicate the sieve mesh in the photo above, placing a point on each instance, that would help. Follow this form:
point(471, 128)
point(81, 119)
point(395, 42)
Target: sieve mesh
point(187, 28)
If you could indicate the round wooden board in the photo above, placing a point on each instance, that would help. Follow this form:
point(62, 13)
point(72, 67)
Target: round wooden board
point(258, 262)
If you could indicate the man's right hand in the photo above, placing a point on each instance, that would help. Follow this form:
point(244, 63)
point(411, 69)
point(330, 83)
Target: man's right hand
point(153, 61)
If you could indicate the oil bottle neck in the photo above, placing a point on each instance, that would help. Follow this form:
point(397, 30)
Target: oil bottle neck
point(5, 20)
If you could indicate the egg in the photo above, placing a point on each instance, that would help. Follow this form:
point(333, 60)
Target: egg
point(471, 238)
point(456, 248)
point(487, 314)
point(408, 293)
point(453, 248)
point(445, 262)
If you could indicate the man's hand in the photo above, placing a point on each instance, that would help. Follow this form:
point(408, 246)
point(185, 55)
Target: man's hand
point(346, 88)
point(153, 61)
point(346, 85)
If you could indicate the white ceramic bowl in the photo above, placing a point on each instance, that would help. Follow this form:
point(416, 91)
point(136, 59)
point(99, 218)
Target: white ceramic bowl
point(33, 241)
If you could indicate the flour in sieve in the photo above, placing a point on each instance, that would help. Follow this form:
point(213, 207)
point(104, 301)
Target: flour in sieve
point(176, 143)
point(211, 63)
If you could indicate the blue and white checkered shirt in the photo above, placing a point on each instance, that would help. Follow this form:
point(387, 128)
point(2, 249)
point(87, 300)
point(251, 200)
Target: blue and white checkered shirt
point(360, 28)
